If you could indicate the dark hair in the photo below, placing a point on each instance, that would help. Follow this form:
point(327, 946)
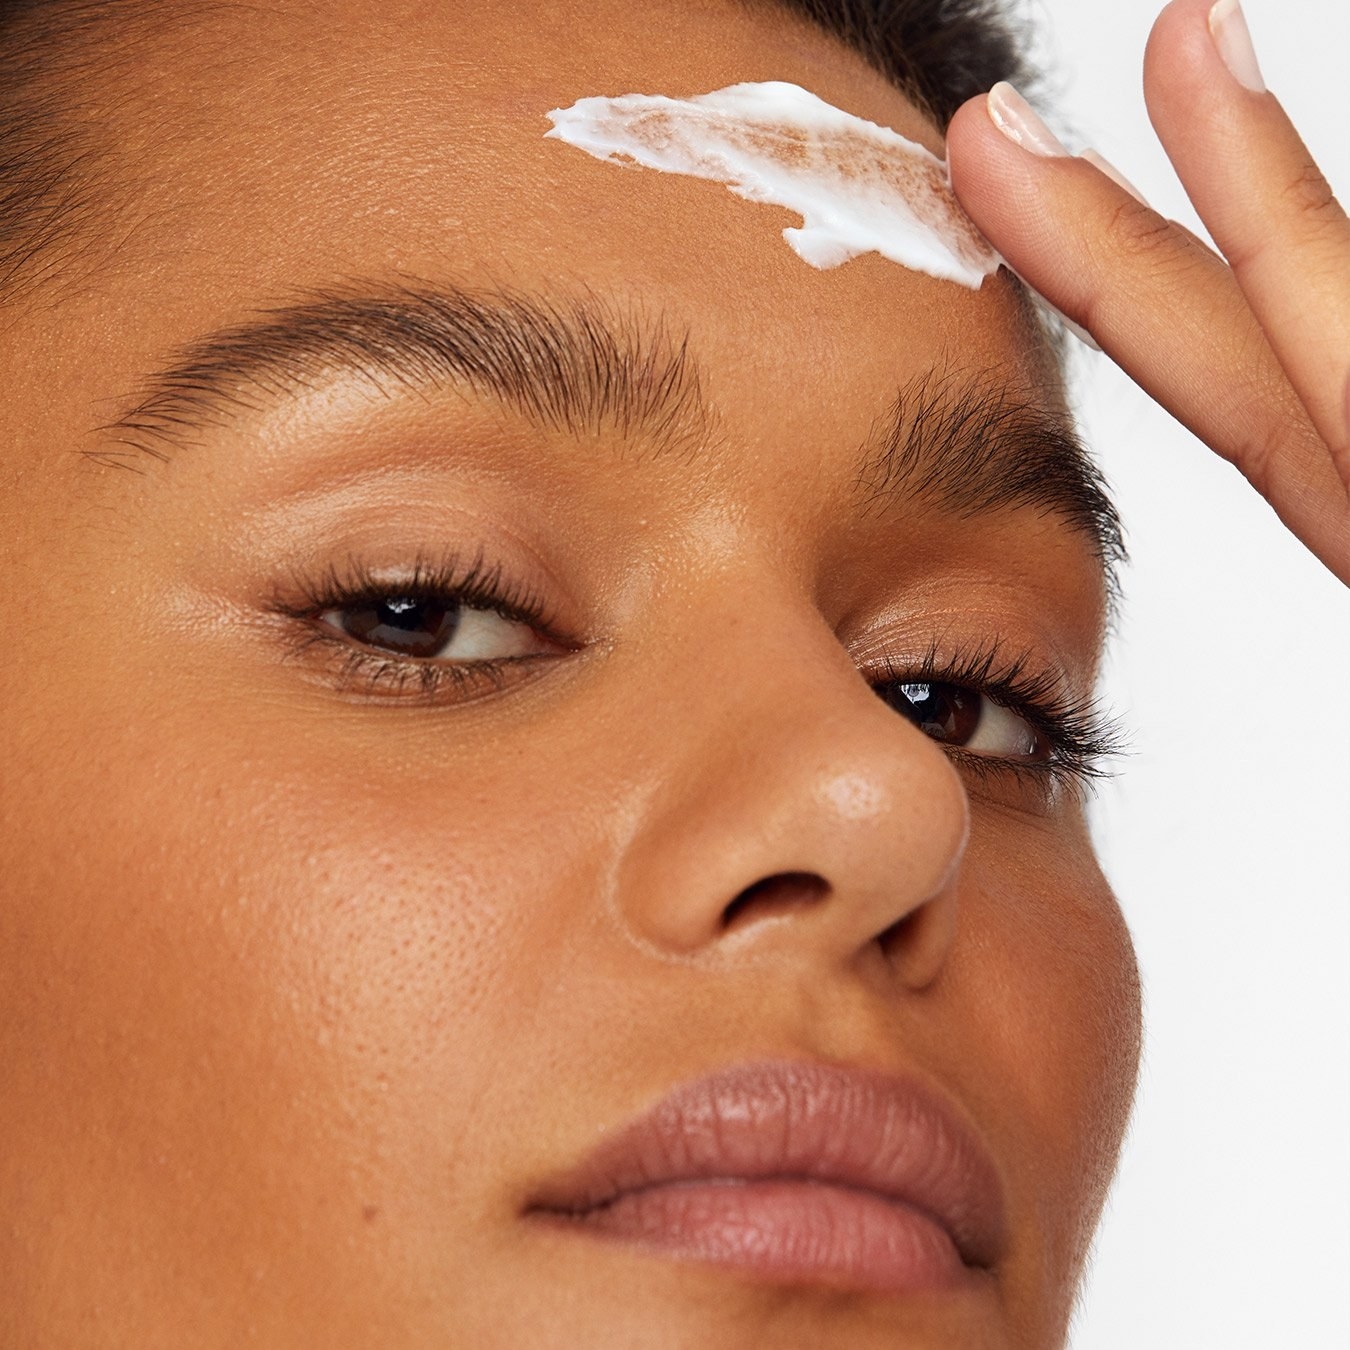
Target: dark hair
point(939, 52)
point(54, 143)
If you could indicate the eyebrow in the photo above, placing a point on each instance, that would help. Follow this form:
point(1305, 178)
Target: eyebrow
point(962, 443)
point(969, 446)
point(578, 366)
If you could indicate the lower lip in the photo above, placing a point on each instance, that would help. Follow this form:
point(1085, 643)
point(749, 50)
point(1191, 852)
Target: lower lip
point(787, 1231)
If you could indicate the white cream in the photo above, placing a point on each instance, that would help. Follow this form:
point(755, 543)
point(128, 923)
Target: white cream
point(859, 187)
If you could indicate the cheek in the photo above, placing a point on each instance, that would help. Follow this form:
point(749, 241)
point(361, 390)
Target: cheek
point(1050, 974)
point(262, 983)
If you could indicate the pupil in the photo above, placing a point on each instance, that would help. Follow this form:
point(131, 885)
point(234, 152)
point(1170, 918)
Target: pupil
point(945, 712)
point(403, 624)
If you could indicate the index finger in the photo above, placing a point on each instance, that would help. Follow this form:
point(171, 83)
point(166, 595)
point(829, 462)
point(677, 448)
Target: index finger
point(1167, 309)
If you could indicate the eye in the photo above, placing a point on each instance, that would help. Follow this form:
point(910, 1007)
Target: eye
point(432, 629)
point(967, 719)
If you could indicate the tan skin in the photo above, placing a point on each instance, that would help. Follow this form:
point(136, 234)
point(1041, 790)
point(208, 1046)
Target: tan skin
point(307, 987)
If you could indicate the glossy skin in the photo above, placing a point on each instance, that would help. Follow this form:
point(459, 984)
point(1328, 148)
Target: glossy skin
point(304, 991)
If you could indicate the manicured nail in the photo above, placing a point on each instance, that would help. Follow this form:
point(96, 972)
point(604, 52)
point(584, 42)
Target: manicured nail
point(1228, 28)
point(1013, 116)
point(1114, 174)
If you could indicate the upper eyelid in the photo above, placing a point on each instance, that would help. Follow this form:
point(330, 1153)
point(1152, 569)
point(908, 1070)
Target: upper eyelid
point(578, 361)
point(472, 582)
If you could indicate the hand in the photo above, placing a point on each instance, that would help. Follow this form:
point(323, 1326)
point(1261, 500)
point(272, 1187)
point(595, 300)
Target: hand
point(1250, 350)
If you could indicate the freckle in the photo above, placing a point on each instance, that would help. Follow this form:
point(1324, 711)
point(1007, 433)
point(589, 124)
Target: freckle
point(370, 1213)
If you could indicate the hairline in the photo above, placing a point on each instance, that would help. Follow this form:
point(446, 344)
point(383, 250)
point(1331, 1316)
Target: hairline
point(73, 206)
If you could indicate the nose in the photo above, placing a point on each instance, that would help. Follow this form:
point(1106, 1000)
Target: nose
point(790, 809)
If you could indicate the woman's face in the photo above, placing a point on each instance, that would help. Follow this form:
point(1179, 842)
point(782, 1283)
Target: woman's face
point(340, 922)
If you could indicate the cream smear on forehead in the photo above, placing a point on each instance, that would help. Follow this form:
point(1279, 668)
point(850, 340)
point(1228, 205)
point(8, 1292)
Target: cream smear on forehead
point(859, 187)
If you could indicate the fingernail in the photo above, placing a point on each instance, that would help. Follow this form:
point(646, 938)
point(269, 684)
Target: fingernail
point(1014, 117)
point(1114, 174)
point(1228, 28)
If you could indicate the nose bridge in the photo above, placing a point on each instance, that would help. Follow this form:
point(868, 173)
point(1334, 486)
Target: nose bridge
point(791, 797)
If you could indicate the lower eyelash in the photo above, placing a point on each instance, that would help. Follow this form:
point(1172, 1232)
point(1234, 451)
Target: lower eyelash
point(371, 672)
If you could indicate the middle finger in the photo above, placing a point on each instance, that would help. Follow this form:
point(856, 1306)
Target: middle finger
point(1262, 198)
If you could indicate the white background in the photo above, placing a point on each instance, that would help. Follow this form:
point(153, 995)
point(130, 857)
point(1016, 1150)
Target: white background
point(1227, 836)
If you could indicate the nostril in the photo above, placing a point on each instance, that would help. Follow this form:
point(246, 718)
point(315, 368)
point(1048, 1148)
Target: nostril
point(915, 945)
point(901, 931)
point(775, 895)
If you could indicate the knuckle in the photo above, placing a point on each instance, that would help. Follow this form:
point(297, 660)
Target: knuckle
point(1278, 438)
point(1304, 211)
point(1309, 195)
point(1139, 232)
point(1137, 241)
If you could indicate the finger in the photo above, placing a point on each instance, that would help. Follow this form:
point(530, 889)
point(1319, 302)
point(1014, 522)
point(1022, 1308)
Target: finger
point(1262, 198)
point(1163, 306)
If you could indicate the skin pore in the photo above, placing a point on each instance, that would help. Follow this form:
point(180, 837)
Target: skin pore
point(312, 974)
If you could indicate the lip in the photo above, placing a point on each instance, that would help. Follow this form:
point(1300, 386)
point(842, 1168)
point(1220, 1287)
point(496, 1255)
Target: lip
point(797, 1172)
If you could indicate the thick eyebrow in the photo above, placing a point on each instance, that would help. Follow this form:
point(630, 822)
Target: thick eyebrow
point(961, 443)
point(578, 365)
point(969, 446)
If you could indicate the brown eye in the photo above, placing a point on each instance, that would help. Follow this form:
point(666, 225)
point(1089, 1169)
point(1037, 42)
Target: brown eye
point(946, 712)
point(400, 624)
point(954, 715)
point(434, 629)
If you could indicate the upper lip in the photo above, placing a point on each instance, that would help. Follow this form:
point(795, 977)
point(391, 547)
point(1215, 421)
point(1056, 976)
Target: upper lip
point(821, 1123)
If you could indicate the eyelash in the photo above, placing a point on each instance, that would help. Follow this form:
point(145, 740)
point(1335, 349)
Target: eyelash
point(473, 584)
point(1080, 738)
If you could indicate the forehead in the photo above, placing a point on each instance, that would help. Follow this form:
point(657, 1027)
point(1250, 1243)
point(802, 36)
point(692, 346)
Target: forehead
point(271, 155)
point(267, 151)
